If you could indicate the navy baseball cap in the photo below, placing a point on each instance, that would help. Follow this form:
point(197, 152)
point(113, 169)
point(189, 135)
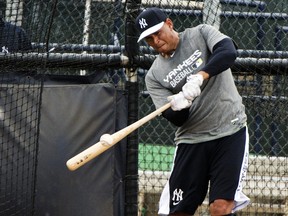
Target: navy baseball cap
point(150, 21)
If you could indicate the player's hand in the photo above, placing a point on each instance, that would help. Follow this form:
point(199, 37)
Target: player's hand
point(192, 89)
point(179, 102)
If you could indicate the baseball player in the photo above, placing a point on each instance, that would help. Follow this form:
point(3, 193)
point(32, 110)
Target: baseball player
point(192, 72)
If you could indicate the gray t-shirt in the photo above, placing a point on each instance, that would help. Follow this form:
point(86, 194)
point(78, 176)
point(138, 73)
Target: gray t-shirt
point(218, 111)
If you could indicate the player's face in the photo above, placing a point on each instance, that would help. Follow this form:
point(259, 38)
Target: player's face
point(165, 40)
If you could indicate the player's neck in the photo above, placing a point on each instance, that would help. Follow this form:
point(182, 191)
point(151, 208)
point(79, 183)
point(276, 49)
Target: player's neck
point(169, 54)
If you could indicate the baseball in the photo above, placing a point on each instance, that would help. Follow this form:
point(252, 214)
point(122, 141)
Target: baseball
point(107, 139)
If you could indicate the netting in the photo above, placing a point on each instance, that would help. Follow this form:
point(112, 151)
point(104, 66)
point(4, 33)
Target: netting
point(20, 98)
point(95, 41)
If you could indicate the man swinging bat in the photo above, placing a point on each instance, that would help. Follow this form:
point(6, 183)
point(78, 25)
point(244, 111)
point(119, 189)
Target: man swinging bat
point(192, 72)
point(192, 75)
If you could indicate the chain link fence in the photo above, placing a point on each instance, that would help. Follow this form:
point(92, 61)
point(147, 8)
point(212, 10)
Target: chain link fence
point(95, 41)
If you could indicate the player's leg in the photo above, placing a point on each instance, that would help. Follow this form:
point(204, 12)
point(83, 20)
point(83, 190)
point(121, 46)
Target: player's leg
point(188, 182)
point(221, 207)
point(228, 170)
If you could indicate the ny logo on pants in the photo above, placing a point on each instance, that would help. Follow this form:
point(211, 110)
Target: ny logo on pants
point(177, 196)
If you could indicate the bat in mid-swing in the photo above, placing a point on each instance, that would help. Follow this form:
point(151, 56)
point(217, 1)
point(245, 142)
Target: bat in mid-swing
point(108, 140)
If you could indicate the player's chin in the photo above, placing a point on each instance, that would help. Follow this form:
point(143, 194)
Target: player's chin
point(162, 50)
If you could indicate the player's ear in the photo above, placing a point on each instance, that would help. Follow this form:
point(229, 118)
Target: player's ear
point(169, 23)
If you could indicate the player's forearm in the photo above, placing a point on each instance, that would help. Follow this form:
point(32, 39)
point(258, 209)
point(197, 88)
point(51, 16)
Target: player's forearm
point(177, 118)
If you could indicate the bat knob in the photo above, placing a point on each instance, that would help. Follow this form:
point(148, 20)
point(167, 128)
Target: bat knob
point(107, 139)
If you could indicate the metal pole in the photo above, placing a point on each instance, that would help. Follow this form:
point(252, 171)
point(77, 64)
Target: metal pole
point(132, 50)
point(211, 13)
point(86, 29)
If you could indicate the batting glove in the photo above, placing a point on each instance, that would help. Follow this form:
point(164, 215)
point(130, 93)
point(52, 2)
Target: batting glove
point(192, 89)
point(179, 102)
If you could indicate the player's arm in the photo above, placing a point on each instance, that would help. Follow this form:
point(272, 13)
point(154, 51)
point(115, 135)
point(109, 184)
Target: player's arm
point(159, 97)
point(223, 57)
point(176, 117)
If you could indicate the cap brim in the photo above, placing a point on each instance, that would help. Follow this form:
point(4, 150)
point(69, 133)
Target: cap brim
point(150, 31)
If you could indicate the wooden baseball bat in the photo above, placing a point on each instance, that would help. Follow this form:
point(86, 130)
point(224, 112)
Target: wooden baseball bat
point(107, 140)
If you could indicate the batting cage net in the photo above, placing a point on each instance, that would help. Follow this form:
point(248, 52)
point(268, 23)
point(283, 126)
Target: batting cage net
point(95, 41)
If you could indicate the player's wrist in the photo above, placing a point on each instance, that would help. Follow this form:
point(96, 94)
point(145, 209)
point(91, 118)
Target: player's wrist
point(195, 79)
point(204, 74)
point(179, 102)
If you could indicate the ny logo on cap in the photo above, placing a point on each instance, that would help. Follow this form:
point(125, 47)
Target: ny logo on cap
point(143, 23)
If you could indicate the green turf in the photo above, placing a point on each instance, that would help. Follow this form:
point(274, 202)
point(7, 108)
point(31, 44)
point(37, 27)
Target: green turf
point(155, 157)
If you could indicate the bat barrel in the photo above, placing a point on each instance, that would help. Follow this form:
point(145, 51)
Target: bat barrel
point(110, 140)
point(86, 155)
